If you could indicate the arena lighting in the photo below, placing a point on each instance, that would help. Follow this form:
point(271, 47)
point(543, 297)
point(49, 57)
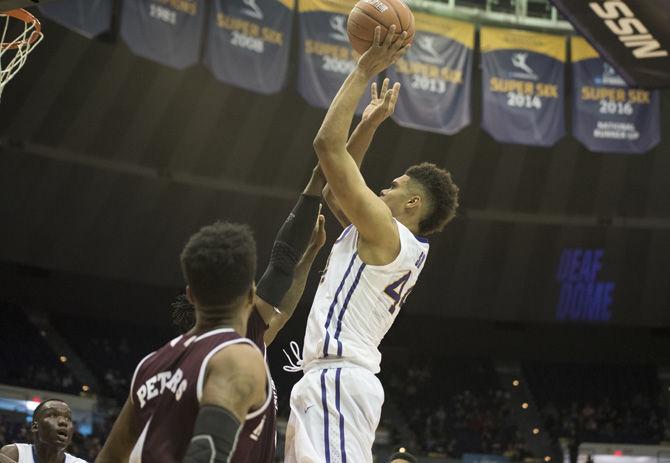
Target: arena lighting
point(62, 359)
point(402, 450)
point(515, 383)
point(32, 404)
point(536, 431)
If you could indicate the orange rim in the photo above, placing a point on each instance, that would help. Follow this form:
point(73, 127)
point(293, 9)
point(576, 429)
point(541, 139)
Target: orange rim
point(23, 15)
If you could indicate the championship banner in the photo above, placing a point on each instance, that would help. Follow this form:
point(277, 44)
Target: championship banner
point(249, 42)
point(166, 31)
point(89, 18)
point(435, 75)
point(632, 35)
point(523, 88)
point(326, 57)
point(607, 115)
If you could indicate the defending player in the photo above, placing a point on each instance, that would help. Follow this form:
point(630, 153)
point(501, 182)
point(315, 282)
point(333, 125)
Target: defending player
point(257, 440)
point(52, 430)
point(373, 266)
point(207, 381)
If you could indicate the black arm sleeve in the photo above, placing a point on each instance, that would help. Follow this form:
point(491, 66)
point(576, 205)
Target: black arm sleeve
point(290, 244)
point(214, 436)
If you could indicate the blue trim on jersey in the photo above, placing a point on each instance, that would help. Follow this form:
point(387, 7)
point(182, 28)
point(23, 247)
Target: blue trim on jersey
point(421, 239)
point(344, 309)
point(343, 450)
point(344, 234)
point(324, 402)
point(331, 310)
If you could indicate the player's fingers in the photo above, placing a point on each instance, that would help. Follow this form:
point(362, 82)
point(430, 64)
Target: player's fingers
point(378, 36)
point(390, 36)
point(395, 91)
point(400, 42)
point(399, 53)
point(385, 86)
point(387, 99)
point(373, 91)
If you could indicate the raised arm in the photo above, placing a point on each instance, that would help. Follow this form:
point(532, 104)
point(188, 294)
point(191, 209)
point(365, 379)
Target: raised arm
point(372, 217)
point(294, 294)
point(289, 246)
point(376, 112)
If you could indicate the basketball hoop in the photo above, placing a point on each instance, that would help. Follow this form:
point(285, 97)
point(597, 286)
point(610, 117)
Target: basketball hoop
point(14, 51)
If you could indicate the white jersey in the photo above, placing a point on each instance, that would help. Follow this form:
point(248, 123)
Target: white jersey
point(356, 303)
point(26, 455)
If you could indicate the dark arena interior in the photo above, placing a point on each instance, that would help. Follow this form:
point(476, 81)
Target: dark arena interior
point(539, 329)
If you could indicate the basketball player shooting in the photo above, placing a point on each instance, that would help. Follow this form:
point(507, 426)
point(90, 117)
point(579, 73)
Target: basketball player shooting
point(372, 268)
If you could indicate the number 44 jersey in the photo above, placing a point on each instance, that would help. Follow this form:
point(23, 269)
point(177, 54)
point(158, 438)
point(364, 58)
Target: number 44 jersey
point(357, 303)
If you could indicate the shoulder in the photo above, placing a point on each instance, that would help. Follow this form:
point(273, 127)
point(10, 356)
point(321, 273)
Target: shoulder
point(236, 371)
point(409, 239)
point(11, 451)
point(238, 357)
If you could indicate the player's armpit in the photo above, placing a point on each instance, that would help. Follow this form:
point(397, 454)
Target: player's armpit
point(123, 437)
point(334, 207)
point(236, 380)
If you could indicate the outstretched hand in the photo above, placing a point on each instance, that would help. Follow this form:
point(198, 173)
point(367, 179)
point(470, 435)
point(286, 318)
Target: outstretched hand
point(381, 104)
point(318, 238)
point(383, 54)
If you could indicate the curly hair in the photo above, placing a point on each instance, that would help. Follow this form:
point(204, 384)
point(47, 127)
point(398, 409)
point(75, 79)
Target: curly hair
point(442, 196)
point(183, 314)
point(219, 263)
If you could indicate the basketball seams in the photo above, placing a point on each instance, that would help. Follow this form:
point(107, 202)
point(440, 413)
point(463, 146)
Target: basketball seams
point(373, 14)
point(358, 10)
point(365, 16)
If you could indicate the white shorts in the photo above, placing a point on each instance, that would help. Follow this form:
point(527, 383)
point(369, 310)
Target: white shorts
point(334, 416)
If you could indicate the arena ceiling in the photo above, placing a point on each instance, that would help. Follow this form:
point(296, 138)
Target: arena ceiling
point(109, 161)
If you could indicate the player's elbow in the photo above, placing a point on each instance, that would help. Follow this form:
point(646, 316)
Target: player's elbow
point(323, 146)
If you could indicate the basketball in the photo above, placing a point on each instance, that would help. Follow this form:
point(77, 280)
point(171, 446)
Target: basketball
point(368, 14)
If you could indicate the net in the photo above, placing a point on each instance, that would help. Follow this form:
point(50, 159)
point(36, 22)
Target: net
point(21, 32)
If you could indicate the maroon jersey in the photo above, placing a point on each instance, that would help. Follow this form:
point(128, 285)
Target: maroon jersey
point(166, 390)
point(258, 439)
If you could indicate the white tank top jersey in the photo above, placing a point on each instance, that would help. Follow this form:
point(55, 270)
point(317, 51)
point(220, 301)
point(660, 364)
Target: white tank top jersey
point(356, 304)
point(26, 455)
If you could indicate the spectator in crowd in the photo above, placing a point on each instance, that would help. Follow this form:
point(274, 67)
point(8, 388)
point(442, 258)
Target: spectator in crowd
point(639, 421)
